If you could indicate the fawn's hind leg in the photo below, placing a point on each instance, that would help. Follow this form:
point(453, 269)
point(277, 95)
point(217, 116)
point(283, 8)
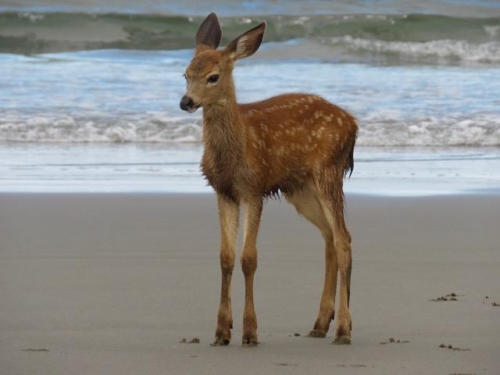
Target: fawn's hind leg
point(308, 205)
point(331, 198)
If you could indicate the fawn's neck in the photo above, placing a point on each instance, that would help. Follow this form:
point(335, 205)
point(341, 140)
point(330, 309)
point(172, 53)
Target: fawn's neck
point(223, 130)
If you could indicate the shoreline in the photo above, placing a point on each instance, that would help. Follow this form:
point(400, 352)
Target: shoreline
point(161, 169)
point(478, 192)
point(111, 283)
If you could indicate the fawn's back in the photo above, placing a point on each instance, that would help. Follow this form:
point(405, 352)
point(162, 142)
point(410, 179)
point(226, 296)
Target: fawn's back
point(289, 137)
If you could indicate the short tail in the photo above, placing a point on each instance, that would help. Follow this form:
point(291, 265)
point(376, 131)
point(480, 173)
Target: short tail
point(350, 162)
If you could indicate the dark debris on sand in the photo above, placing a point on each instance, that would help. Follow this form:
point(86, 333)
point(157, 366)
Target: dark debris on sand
point(494, 303)
point(448, 297)
point(394, 341)
point(195, 340)
point(450, 347)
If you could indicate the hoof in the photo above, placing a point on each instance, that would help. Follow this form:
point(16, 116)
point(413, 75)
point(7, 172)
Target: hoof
point(342, 340)
point(316, 333)
point(250, 340)
point(251, 344)
point(220, 342)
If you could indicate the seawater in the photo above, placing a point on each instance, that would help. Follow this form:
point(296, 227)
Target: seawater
point(133, 96)
point(174, 168)
point(89, 94)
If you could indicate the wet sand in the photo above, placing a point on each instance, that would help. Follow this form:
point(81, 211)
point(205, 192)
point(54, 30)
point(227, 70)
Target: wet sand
point(111, 284)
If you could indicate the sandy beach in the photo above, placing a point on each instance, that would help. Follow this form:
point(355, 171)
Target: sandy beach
point(111, 284)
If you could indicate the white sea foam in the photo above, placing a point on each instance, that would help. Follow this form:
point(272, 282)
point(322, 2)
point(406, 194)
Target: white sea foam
point(461, 50)
point(33, 17)
point(378, 130)
point(492, 30)
point(431, 131)
point(67, 129)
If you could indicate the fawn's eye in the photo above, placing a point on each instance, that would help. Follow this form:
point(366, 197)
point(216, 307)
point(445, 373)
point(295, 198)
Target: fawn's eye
point(185, 77)
point(213, 78)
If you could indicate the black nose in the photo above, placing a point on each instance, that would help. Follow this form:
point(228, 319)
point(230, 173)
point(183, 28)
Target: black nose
point(186, 103)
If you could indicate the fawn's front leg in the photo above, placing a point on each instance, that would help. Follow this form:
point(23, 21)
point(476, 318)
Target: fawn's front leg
point(253, 211)
point(229, 212)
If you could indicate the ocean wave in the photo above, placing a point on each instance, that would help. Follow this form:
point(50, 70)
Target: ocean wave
point(68, 129)
point(437, 50)
point(482, 130)
point(379, 130)
point(35, 33)
point(473, 8)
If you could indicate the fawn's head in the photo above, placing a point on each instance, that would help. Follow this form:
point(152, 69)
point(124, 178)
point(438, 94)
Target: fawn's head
point(209, 75)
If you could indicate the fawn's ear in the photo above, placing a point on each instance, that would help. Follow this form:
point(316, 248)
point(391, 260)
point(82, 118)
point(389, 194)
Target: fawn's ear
point(209, 34)
point(246, 44)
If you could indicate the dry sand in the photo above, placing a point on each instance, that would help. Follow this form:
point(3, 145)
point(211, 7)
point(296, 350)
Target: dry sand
point(110, 284)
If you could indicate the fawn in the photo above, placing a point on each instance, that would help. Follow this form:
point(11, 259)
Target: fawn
point(298, 145)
